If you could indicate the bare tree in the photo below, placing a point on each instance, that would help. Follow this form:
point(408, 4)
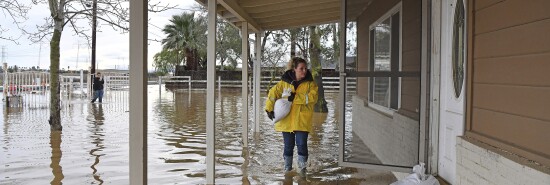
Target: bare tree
point(13, 11)
point(71, 12)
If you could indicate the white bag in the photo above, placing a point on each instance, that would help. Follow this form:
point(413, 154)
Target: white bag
point(282, 106)
point(418, 177)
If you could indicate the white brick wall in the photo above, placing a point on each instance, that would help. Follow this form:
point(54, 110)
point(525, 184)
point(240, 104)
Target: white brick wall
point(477, 165)
point(393, 139)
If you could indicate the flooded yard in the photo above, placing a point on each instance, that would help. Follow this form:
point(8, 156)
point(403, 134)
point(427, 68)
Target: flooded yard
point(93, 146)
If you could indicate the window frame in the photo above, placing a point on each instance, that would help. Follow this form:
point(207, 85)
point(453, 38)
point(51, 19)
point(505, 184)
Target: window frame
point(388, 15)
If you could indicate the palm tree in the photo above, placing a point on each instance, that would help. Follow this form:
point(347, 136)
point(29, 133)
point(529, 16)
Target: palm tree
point(185, 35)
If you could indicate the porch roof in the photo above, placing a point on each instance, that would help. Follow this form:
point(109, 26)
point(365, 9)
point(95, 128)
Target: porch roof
point(284, 14)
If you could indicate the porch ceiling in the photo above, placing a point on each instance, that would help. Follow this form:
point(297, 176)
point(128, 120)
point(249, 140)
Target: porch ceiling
point(284, 14)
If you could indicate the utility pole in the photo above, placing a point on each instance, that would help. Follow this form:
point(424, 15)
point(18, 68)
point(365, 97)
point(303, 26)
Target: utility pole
point(77, 53)
point(39, 54)
point(4, 54)
point(94, 25)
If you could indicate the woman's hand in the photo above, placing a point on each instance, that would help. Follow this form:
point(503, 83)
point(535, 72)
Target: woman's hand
point(291, 97)
point(270, 115)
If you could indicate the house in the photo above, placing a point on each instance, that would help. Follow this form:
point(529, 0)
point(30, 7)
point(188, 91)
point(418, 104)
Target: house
point(460, 85)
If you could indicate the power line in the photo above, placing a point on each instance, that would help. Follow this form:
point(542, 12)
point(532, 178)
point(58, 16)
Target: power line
point(39, 53)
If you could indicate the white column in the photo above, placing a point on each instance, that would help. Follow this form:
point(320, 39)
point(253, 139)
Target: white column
point(5, 90)
point(244, 57)
point(422, 154)
point(89, 85)
point(433, 152)
point(138, 92)
point(81, 83)
point(257, 81)
point(342, 90)
point(210, 90)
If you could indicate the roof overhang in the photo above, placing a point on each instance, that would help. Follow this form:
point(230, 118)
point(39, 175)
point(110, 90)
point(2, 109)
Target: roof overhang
point(284, 14)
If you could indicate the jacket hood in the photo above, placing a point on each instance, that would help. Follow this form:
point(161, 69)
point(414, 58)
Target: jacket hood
point(290, 76)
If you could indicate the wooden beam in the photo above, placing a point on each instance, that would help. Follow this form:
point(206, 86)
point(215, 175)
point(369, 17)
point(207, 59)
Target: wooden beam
point(239, 12)
point(300, 24)
point(257, 3)
point(220, 9)
point(294, 9)
point(210, 87)
point(257, 80)
point(227, 15)
point(233, 20)
point(330, 12)
point(239, 25)
point(244, 82)
point(138, 93)
point(285, 6)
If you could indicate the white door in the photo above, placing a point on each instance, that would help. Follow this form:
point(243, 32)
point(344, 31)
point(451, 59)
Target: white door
point(452, 85)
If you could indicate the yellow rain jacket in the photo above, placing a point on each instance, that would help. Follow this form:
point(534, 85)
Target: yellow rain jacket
point(301, 111)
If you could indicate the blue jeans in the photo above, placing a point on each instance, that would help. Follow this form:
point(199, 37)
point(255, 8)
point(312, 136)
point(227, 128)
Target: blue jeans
point(298, 138)
point(98, 94)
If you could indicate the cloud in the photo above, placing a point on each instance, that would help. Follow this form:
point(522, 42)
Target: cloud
point(112, 46)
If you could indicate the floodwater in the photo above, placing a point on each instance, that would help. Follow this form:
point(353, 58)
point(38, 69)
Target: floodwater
point(93, 146)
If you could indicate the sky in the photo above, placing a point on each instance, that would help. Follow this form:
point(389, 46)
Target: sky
point(112, 49)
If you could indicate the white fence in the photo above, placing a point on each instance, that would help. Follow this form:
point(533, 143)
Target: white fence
point(32, 88)
point(29, 89)
point(331, 84)
point(117, 83)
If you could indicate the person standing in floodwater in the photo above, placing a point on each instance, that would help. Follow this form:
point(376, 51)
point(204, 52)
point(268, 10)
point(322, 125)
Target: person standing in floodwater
point(297, 124)
point(98, 87)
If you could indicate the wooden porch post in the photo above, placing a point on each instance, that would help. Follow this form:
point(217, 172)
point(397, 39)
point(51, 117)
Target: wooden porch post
point(210, 92)
point(244, 57)
point(257, 81)
point(342, 90)
point(138, 92)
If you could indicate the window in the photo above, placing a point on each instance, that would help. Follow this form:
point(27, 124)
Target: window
point(385, 49)
point(458, 49)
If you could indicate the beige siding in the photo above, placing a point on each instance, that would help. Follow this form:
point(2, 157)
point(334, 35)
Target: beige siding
point(527, 101)
point(530, 38)
point(514, 70)
point(510, 91)
point(522, 12)
point(505, 127)
point(480, 4)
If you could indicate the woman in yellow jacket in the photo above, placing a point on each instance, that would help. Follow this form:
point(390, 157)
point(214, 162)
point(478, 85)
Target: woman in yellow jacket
point(297, 124)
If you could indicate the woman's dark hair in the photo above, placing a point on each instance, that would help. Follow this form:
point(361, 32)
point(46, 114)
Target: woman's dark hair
point(294, 62)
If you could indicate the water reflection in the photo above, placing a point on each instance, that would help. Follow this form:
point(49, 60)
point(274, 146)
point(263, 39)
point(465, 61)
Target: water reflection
point(244, 167)
point(57, 170)
point(97, 138)
point(180, 126)
point(95, 150)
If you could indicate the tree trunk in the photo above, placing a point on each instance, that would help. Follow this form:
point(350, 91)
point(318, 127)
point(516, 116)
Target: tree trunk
point(250, 59)
point(316, 68)
point(55, 109)
point(190, 60)
point(222, 60)
point(336, 44)
point(196, 60)
point(293, 35)
point(57, 169)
